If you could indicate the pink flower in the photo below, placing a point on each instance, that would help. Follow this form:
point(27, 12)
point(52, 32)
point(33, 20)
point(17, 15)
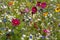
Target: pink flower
point(43, 5)
point(34, 9)
point(15, 22)
point(38, 4)
point(26, 10)
point(46, 31)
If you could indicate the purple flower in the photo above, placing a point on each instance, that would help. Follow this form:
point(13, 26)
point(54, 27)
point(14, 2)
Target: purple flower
point(31, 37)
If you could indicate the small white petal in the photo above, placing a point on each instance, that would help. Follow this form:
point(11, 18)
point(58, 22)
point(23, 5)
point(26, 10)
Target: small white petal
point(22, 38)
point(51, 0)
point(0, 20)
point(24, 35)
point(9, 30)
point(30, 39)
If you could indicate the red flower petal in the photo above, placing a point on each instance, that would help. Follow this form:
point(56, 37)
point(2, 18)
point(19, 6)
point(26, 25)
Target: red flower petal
point(15, 22)
point(43, 5)
point(34, 9)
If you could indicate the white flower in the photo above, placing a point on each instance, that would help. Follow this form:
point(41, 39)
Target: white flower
point(50, 15)
point(30, 18)
point(34, 15)
point(22, 38)
point(9, 30)
point(54, 17)
point(10, 17)
point(23, 35)
point(23, 28)
point(27, 19)
point(0, 20)
point(3, 6)
point(16, 1)
point(40, 36)
point(48, 23)
point(51, 0)
point(42, 24)
point(30, 39)
point(21, 7)
point(47, 38)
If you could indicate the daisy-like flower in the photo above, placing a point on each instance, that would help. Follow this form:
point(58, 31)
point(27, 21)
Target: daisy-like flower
point(43, 5)
point(45, 14)
point(57, 9)
point(34, 10)
point(15, 22)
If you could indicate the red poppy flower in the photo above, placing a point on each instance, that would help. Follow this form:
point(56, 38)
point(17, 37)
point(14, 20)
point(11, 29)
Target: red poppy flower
point(15, 22)
point(38, 4)
point(34, 9)
point(43, 5)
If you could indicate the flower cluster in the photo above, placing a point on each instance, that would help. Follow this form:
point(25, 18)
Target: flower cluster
point(29, 20)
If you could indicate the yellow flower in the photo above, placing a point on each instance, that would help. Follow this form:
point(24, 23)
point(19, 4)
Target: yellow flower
point(57, 9)
point(45, 14)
